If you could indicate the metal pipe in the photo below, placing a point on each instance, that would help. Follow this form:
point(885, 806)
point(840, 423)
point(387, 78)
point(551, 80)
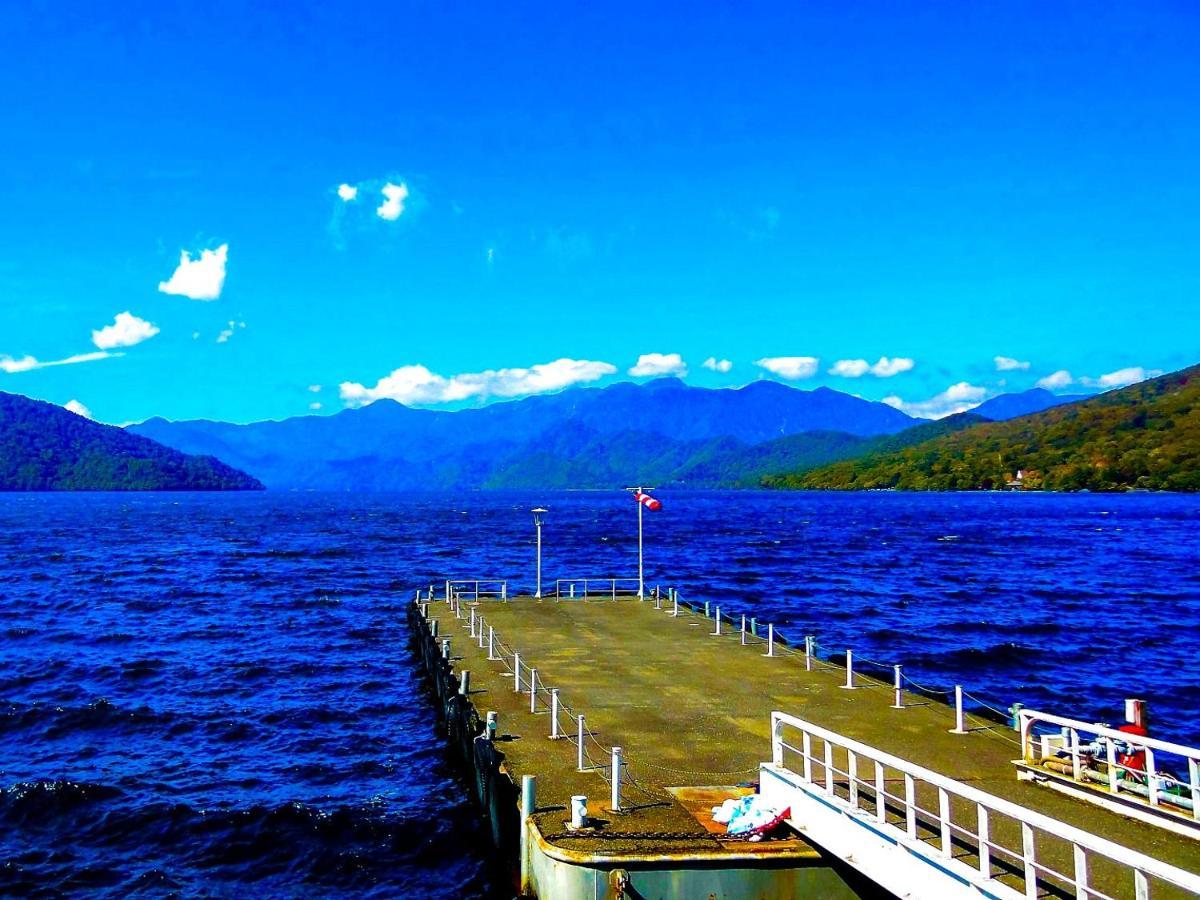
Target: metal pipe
point(743, 629)
point(718, 629)
point(809, 647)
point(616, 779)
point(472, 621)
point(675, 610)
point(959, 717)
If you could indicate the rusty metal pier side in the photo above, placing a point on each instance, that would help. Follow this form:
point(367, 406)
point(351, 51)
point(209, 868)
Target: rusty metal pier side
point(600, 732)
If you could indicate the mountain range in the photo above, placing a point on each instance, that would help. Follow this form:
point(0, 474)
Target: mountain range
point(662, 431)
point(1142, 437)
point(44, 447)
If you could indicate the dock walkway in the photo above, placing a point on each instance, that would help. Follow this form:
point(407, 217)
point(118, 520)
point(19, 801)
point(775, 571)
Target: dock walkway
point(692, 709)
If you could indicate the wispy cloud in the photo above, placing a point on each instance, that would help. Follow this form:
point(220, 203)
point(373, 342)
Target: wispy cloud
point(417, 385)
point(228, 331)
point(314, 406)
point(392, 206)
point(1008, 364)
point(792, 368)
point(127, 330)
point(955, 399)
point(1059, 379)
point(201, 278)
point(1121, 377)
point(12, 365)
point(717, 365)
point(659, 364)
point(78, 408)
point(885, 368)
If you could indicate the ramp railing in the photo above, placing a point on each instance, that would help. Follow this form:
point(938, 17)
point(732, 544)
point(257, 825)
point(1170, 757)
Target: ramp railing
point(476, 589)
point(582, 588)
point(1108, 758)
point(948, 822)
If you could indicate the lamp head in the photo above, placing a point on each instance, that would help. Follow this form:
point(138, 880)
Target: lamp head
point(538, 513)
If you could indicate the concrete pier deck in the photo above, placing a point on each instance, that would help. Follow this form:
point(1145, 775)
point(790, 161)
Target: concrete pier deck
point(691, 709)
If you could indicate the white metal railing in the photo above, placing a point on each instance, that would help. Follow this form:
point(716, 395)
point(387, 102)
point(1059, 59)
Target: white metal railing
point(848, 789)
point(1092, 753)
point(571, 588)
point(476, 588)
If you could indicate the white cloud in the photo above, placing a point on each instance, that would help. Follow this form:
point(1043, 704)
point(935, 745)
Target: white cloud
point(125, 331)
point(1122, 377)
point(201, 278)
point(717, 365)
point(955, 399)
point(790, 367)
point(659, 364)
point(885, 368)
point(78, 408)
point(227, 332)
point(12, 365)
point(416, 385)
point(314, 388)
point(347, 192)
point(1058, 379)
point(1008, 364)
point(393, 205)
point(314, 406)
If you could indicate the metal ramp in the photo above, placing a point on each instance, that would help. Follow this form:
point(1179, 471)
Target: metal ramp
point(919, 834)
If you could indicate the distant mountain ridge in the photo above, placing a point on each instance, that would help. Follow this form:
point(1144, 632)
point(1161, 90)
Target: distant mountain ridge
point(1142, 437)
point(44, 447)
point(1011, 406)
point(584, 437)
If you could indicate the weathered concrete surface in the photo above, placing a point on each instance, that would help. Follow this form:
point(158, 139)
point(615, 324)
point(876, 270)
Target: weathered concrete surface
point(690, 708)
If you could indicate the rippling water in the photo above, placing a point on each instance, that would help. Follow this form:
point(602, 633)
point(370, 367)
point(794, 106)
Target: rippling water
point(200, 693)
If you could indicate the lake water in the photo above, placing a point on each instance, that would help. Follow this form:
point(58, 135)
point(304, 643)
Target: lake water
point(211, 694)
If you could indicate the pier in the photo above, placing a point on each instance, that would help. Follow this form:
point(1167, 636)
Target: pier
point(655, 712)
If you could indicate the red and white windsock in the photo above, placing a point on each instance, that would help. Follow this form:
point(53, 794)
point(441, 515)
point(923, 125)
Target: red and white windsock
point(647, 501)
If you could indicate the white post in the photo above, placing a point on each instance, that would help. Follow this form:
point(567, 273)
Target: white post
point(770, 640)
point(675, 609)
point(578, 811)
point(809, 640)
point(472, 621)
point(743, 629)
point(640, 581)
point(849, 685)
point(491, 726)
point(538, 595)
point(479, 634)
point(616, 779)
point(433, 628)
point(579, 747)
point(517, 671)
point(899, 704)
point(718, 628)
point(491, 643)
point(959, 718)
point(528, 804)
point(447, 590)
point(532, 689)
point(554, 714)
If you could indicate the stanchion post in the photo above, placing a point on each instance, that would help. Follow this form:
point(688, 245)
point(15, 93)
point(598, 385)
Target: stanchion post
point(717, 630)
point(554, 735)
point(743, 629)
point(579, 747)
point(849, 685)
point(616, 779)
point(809, 641)
point(517, 671)
point(960, 719)
point(770, 640)
point(491, 643)
point(446, 647)
point(492, 725)
point(899, 704)
point(532, 689)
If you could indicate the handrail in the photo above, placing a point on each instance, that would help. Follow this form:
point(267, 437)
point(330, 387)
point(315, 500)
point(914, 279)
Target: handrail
point(1030, 821)
point(595, 587)
point(1117, 776)
point(477, 588)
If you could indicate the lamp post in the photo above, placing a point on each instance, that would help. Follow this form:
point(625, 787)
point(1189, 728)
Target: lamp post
point(537, 521)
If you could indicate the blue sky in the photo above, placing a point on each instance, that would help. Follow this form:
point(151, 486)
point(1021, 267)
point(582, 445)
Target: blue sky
point(782, 187)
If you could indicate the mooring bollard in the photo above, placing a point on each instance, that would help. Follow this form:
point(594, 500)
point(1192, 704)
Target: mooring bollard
point(446, 647)
point(528, 804)
point(770, 640)
point(491, 643)
point(532, 690)
point(464, 683)
point(809, 644)
point(899, 704)
point(718, 628)
point(579, 747)
point(616, 779)
point(849, 685)
point(517, 671)
point(554, 714)
point(960, 720)
point(578, 811)
point(492, 725)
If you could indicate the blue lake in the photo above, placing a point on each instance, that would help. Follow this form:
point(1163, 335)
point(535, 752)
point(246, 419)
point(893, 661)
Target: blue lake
point(200, 693)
